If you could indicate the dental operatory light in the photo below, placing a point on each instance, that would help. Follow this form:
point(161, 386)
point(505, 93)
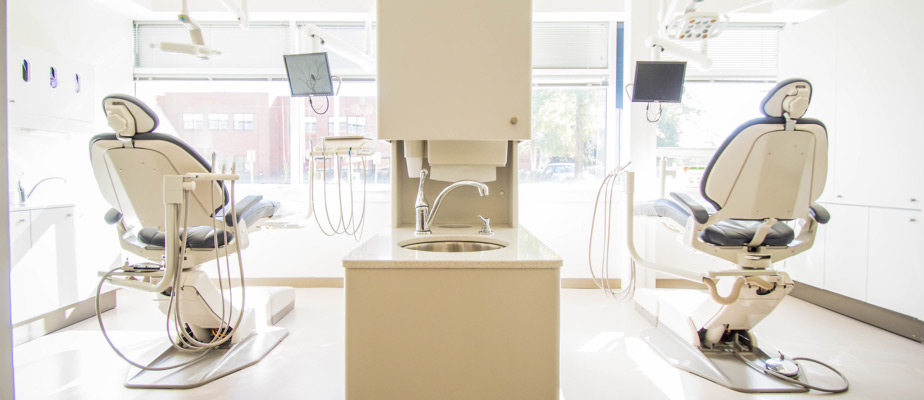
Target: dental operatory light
point(694, 25)
point(685, 24)
point(197, 47)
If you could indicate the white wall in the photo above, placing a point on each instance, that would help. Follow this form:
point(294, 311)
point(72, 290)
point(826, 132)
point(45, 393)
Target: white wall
point(6, 337)
point(360, 6)
point(867, 89)
point(80, 32)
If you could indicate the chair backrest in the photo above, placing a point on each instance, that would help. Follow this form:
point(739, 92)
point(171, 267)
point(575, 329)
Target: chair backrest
point(771, 167)
point(130, 165)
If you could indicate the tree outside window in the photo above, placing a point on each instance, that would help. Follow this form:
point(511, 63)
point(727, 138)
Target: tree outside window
point(568, 135)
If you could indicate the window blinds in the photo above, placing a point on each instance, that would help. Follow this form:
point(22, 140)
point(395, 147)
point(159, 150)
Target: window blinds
point(556, 45)
point(260, 46)
point(743, 50)
point(568, 45)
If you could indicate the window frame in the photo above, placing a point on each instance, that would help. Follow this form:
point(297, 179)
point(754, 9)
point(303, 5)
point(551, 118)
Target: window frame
point(247, 124)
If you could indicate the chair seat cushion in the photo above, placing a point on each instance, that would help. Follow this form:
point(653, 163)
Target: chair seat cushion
point(200, 237)
point(737, 232)
point(730, 232)
point(251, 210)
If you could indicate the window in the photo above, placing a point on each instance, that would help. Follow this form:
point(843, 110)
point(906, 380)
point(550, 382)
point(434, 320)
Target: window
point(743, 51)
point(192, 122)
point(716, 101)
point(570, 45)
point(311, 125)
point(218, 122)
point(260, 155)
point(356, 125)
point(335, 125)
point(260, 46)
point(243, 122)
point(568, 137)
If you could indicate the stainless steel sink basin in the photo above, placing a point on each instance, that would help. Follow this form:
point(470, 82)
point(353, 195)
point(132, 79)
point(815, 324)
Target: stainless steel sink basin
point(453, 246)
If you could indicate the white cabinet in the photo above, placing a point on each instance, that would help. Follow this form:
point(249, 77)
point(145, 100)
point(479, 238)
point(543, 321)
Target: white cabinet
point(878, 141)
point(809, 267)
point(43, 253)
point(806, 51)
point(846, 250)
point(20, 237)
point(868, 102)
point(896, 262)
point(454, 70)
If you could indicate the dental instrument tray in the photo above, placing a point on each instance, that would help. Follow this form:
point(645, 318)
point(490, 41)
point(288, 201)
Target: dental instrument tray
point(344, 145)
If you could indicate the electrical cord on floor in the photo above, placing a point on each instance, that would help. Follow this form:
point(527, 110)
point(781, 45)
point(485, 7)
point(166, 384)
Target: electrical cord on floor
point(793, 381)
point(102, 327)
point(222, 334)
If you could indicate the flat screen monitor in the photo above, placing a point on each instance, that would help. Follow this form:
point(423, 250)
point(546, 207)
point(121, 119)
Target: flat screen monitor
point(309, 74)
point(660, 81)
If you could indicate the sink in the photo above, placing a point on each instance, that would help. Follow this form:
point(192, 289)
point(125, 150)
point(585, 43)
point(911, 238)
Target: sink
point(453, 246)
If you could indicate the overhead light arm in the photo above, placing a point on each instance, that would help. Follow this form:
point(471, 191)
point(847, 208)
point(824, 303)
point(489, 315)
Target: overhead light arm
point(322, 40)
point(660, 44)
point(243, 16)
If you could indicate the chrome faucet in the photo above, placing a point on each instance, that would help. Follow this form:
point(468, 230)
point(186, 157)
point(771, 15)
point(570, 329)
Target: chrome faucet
point(423, 215)
point(23, 196)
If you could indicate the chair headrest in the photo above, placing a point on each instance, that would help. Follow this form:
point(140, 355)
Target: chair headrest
point(790, 96)
point(128, 116)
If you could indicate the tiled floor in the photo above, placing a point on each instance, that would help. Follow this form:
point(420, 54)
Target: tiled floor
point(602, 355)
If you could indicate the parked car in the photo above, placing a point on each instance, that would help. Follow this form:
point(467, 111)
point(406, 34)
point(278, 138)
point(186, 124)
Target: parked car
point(558, 172)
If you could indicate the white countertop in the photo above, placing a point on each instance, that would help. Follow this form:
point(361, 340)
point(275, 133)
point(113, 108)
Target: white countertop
point(39, 206)
point(523, 250)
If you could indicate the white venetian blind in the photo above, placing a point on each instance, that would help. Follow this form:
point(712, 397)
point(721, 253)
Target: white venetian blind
point(570, 45)
point(743, 50)
point(260, 46)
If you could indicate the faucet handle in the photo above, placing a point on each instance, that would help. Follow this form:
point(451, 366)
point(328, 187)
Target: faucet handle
point(486, 229)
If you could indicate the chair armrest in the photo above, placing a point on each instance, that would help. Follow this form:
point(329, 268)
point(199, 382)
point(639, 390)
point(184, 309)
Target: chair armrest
point(699, 212)
point(112, 216)
point(242, 207)
point(819, 213)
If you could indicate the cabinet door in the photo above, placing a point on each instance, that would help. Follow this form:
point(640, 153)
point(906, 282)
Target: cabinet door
point(809, 50)
point(62, 244)
point(878, 142)
point(896, 265)
point(20, 240)
point(452, 70)
point(809, 267)
point(846, 250)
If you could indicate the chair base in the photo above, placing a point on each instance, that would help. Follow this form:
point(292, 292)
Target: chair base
point(216, 364)
point(721, 367)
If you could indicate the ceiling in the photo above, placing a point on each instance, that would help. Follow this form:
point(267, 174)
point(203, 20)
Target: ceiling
point(276, 10)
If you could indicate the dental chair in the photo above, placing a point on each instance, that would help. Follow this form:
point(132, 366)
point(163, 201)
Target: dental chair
point(759, 191)
point(171, 208)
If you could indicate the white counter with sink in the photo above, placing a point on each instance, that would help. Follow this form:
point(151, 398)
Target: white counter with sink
point(452, 325)
point(521, 250)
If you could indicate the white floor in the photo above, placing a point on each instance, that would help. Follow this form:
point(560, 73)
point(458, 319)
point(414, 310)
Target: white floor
point(602, 355)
